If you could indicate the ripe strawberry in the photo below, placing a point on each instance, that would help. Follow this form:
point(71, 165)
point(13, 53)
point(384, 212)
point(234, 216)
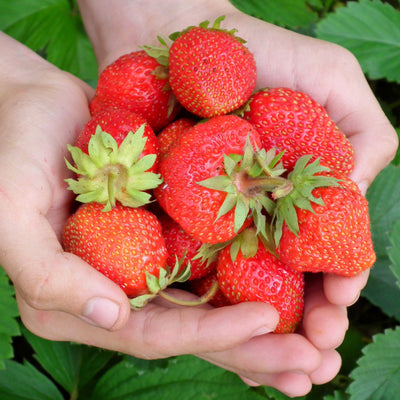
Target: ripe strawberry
point(211, 71)
point(205, 211)
point(292, 121)
point(333, 235)
point(262, 277)
point(115, 166)
point(170, 133)
point(180, 244)
point(123, 244)
point(202, 286)
point(138, 83)
point(118, 123)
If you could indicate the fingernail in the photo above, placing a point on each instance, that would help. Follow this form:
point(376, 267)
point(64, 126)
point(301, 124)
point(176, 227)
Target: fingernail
point(354, 300)
point(363, 186)
point(101, 312)
point(262, 330)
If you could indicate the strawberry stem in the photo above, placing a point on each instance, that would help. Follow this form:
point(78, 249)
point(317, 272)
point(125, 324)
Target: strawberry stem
point(191, 303)
point(248, 185)
point(110, 186)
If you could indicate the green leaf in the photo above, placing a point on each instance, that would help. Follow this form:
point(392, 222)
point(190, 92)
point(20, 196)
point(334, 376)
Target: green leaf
point(337, 395)
point(8, 312)
point(71, 365)
point(228, 204)
point(25, 382)
point(288, 13)
point(53, 29)
point(394, 251)
point(384, 208)
point(132, 146)
point(186, 375)
point(377, 376)
point(371, 31)
point(219, 182)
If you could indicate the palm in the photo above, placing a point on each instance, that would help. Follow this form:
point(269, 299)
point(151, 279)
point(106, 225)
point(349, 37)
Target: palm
point(45, 121)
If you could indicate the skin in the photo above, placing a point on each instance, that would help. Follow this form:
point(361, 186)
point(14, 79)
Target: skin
point(42, 109)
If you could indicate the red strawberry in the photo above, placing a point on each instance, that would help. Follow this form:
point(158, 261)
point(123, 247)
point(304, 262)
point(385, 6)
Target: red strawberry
point(171, 132)
point(211, 71)
point(207, 214)
point(123, 244)
point(117, 165)
point(292, 121)
point(118, 123)
point(138, 83)
point(201, 287)
point(333, 234)
point(262, 277)
point(180, 244)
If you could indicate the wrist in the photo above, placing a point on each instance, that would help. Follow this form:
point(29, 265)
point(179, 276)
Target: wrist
point(121, 27)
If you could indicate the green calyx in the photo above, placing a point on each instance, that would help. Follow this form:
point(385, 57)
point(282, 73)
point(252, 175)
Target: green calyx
point(247, 180)
point(256, 185)
point(111, 173)
point(166, 278)
point(161, 53)
point(246, 242)
point(156, 285)
point(216, 26)
point(305, 177)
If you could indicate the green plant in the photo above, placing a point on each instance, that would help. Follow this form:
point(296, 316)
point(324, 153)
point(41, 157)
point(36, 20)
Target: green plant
point(33, 368)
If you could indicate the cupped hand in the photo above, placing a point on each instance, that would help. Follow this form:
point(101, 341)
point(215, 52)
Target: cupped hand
point(327, 72)
point(60, 297)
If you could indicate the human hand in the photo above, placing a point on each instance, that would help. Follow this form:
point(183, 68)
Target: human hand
point(60, 297)
point(329, 74)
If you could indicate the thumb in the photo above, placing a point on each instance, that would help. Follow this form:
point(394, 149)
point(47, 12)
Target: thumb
point(372, 153)
point(48, 279)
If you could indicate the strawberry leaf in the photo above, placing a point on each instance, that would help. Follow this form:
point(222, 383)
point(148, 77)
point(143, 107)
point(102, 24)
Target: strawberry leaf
point(23, 381)
point(384, 208)
point(367, 383)
point(8, 323)
point(371, 31)
point(54, 29)
point(73, 367)
point(188, 375)
point(394, 251)
point(288, 13)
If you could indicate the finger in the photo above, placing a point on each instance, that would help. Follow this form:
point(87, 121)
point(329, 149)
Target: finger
point(269, 354)
point(343, 290)
point(374, 148)
point(292, 384)
point(324, 324)
point(328, 369)
point(355, 109)
point(249, 382)
point(158, 332)
point(46, 278)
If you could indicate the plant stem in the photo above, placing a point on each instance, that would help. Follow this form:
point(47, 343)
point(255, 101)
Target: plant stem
point(192, 303)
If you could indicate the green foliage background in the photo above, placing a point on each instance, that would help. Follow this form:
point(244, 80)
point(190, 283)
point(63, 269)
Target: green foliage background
point(33, 368)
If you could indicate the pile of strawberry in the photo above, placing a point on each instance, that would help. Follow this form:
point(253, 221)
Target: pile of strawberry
point(189, 174)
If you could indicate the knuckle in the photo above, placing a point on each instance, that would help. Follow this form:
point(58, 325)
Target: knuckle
point(35, 286)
